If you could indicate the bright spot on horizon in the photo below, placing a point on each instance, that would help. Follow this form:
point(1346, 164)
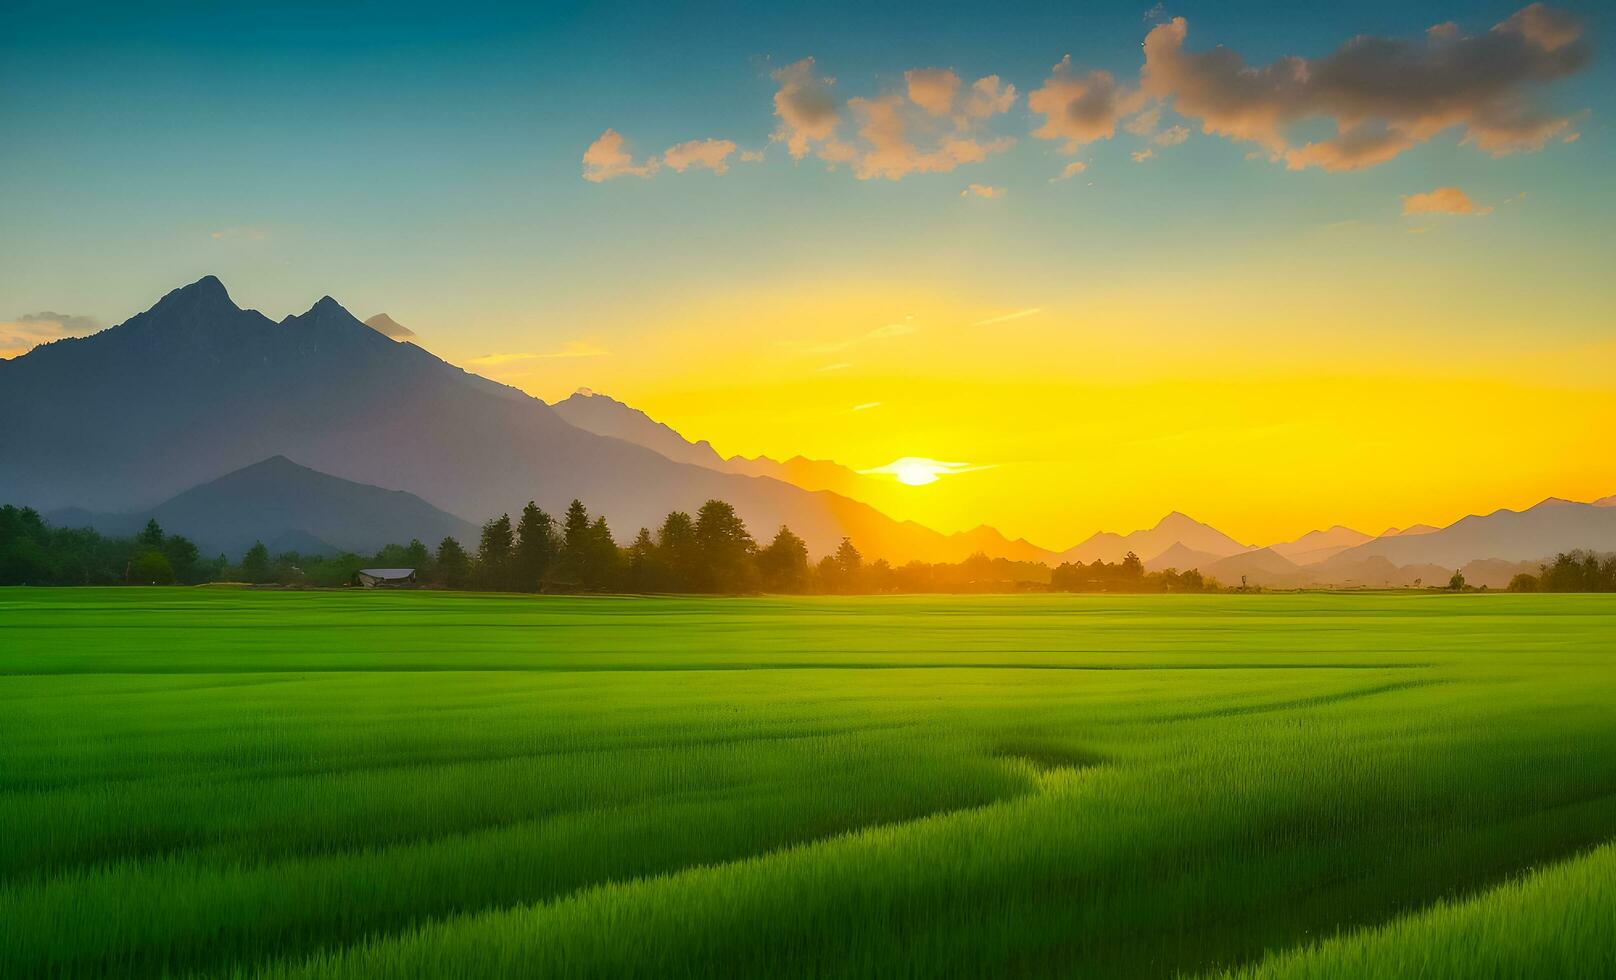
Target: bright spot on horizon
point(918, 471)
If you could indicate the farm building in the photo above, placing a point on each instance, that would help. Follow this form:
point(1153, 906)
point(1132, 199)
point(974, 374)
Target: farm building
point(371, 578)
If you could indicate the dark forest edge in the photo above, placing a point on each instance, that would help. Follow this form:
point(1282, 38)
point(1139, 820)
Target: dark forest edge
point(712, 553)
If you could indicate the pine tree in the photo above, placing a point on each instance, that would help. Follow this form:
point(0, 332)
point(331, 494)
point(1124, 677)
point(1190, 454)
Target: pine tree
point(535, 547)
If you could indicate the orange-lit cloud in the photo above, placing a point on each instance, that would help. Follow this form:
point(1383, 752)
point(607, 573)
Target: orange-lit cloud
point(1443, 200)
point(1072, 170)
point(28, 331)
point(1384, 95)
point(982, 190)
point(706, 154)
point(933, 89)
point(1079, 109)
point(808, 113)
point(607, 158)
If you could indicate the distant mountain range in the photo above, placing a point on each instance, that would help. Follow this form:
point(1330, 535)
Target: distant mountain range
point(289, 508)
point(197, 387)
point(193, 410)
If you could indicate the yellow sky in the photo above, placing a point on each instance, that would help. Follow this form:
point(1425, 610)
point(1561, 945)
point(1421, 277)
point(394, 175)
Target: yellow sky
point(1106, 411)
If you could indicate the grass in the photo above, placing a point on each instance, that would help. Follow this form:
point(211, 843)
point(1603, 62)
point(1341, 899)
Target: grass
point(335, 784)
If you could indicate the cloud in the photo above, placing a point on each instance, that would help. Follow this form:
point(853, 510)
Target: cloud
point(933, 89)
point(988, 97)
point(389, 327)
point(838, 366)
point(808, 113)
point(1079, 109)
point(572, 348)
point(1443, 200)
point(1007, 317)
point(982, 190)
point(1071, 170)
point(887, 331)
point(607, 159)
point(1171, 136)
point(865, 406)
point(751, 156)
point(1140, 156)
point(709, 154)
point(1383, 95)
point(929, 127)
point(29, 330)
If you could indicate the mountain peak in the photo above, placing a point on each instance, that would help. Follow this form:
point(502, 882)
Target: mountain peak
point(206, 293)
point(389, 327)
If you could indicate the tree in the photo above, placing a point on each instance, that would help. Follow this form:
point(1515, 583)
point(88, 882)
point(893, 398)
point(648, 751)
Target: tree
point(255, 563)
point(535, 547)
point(599, 570)
point(151, 536)
point(182, 557)
point(724, 547)
point(1457, 583)
point(840, 573)
point(1523, 582)
point(640, 571)
point(494, 554)
point(150, 568)
point(783, 565)
point(454, 566)
point(676, 544)
point(575, 543)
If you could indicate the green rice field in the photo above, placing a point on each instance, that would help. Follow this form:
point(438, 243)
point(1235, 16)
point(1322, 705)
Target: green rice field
point(300, 784)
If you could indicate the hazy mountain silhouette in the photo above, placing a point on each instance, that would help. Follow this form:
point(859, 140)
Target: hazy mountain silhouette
point(289, 508)
point(196, 387)
point(1316, 546)
point(1609, 501)
point(1410, 531)
point(1182, 558)
point(1173, 529)
point(606, 416)
point(1551, 526)
point(1260, 567)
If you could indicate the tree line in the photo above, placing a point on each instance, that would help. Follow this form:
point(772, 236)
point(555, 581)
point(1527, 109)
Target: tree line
point(34, 553)
point(1127, 575)
point(1571, 571)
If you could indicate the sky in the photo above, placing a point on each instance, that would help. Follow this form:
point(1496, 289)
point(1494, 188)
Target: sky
point(1277, 266)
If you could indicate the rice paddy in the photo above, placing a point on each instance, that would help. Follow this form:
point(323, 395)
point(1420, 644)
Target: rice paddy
point(282, 784)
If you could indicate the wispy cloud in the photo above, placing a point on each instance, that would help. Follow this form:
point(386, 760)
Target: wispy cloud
point(1007, 317)
point(838, 366)
point(864, 406)
point(1071, 170)
point(572, 348)
point(886, 331)
point(1140, 156)
point(983, 190)
point(29, 330)
point(700, 154)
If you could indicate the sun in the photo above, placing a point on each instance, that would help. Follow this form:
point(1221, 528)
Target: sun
point(919, 471)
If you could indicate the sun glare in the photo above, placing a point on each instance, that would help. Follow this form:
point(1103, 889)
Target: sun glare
point(918, 471)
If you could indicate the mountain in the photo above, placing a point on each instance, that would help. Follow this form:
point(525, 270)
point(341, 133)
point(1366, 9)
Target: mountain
point(606, 416)
point(1410, 531)
point(1551, 526)
point(1173, 529)
point(1181, 558)
point(289, 508)
point(1262, 566)
point(389, 327)
point(1316, 546)
point(1609, 501)
point(196, 386)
